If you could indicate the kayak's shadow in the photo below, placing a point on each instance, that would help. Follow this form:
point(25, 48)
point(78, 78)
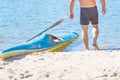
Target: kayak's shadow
point(11, 59)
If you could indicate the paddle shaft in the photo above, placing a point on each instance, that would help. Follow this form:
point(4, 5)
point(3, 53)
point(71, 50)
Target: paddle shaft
point(53, 25)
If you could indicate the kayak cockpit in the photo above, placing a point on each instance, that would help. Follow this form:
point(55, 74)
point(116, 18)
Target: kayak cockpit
point(54, 38)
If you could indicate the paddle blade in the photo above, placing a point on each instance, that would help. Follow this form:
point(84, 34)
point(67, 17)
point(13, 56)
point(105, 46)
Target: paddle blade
point(59, 21)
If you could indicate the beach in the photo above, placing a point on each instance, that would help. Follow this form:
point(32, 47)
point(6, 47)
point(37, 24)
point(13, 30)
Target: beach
point(76, 65)
point(20, 20)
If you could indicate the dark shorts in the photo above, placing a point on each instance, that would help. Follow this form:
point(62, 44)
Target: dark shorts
point(89, 14)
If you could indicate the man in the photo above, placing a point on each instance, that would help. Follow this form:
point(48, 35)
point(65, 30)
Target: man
point(88, 14)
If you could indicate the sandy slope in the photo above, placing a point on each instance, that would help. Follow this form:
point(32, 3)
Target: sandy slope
point(85, 65)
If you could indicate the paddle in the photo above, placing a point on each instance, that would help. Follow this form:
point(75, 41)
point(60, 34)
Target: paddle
point(53, 25)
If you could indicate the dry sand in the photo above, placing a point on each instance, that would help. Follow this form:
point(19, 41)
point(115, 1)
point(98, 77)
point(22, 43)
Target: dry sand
point(79, 65)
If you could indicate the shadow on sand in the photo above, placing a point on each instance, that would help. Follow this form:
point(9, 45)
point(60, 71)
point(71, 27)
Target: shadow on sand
point(11, 59)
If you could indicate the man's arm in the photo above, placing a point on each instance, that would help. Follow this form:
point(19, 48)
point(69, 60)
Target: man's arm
point(71, 6)
point(103, 6)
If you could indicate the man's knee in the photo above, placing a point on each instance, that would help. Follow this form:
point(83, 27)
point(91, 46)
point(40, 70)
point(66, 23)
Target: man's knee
point(84, 28)
point(95, 26)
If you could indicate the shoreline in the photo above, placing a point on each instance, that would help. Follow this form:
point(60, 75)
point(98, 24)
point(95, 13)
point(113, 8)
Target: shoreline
point(76, 65)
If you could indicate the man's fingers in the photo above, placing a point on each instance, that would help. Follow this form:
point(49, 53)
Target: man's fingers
point(71, 16)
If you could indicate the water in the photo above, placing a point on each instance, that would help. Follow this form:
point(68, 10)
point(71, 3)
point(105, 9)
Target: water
point(22, 19)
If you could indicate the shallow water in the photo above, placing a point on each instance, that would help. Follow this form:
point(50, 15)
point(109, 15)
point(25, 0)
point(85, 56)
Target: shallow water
point(22, 19)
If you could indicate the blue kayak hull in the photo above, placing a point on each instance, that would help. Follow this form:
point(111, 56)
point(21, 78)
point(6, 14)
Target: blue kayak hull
point(44, 42)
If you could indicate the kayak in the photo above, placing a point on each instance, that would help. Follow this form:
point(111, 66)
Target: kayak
point(44, 42)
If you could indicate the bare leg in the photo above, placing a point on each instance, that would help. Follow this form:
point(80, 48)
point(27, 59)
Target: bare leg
point(95, 32)
point(85, 36)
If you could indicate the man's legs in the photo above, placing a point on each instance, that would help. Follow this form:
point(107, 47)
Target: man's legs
point(85, 35)
point(95, 32)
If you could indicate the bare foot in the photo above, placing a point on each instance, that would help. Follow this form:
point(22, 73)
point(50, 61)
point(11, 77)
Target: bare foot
point(95, 46)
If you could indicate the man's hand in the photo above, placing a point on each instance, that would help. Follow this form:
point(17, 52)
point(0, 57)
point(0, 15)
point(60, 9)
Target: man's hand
point(103, 6)
point(71, 15)
point(103, 10)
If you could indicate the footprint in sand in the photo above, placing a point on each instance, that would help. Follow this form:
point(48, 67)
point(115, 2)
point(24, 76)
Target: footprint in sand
point(1, 68)
point(26, 75)
point(6, 63)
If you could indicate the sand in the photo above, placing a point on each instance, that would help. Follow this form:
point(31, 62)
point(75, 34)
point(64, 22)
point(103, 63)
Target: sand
point(77, 65)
